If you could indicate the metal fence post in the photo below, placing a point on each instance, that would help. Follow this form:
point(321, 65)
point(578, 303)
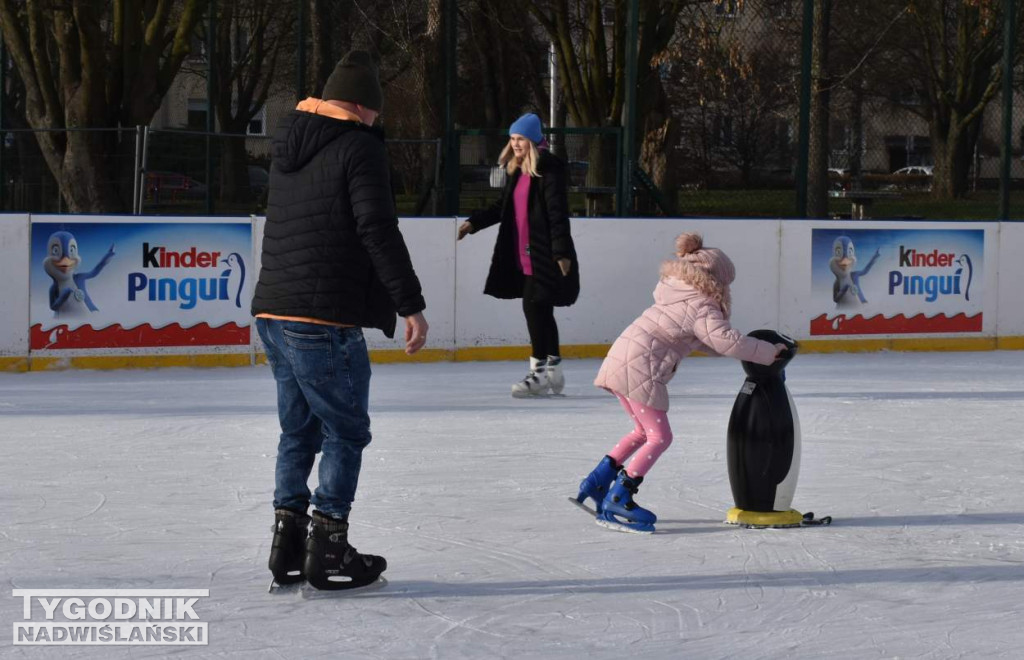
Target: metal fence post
point(437, 176)
point(804, 127)
point(451, 152)
point(210, 87)
point(1006, 157)
point(135, 170)
point(629, 110)
point(142, 172)
point(300, 77)
point(3, 136)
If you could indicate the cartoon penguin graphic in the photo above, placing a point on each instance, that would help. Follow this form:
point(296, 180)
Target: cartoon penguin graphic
point(68, 294)
point(846, 290)
point(236, 276)
point(964, 261)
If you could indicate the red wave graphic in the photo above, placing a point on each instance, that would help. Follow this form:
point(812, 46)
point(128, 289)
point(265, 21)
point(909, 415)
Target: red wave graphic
point(899, 324)
point(115, 336)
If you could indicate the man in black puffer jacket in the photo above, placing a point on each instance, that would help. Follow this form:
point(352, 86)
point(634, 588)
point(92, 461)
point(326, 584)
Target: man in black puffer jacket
point(333, 262)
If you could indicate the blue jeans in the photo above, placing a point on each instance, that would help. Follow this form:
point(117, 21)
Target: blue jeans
point(323, 389)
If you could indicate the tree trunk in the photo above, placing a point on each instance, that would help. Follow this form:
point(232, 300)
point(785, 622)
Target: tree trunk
point(600, 173)
point(857, 134)
point(431, 74)
point(84, 67)
point(85, 175)
point(952, 154)
point(234, 169)
point(329, 22)
point(660, 134)
point(817, 162)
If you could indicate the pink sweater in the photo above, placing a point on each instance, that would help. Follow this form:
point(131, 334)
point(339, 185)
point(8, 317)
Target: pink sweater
point(520, 202)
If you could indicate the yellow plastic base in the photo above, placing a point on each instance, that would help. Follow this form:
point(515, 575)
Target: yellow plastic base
point(761, 519)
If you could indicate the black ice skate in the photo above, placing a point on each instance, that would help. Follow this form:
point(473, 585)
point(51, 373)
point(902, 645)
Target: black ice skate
point(288, 549)
point(331, 563)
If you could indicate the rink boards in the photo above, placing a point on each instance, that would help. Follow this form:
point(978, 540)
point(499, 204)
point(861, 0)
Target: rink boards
point(173, 294)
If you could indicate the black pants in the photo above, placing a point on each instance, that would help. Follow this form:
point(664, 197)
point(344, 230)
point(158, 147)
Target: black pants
point(540, 322)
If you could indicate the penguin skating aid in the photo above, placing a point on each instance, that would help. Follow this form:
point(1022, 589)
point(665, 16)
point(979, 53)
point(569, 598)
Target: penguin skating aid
point(764, 446)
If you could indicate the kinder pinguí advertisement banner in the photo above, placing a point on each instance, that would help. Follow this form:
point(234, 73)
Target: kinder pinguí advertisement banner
point(896, 281)
point(129, 284)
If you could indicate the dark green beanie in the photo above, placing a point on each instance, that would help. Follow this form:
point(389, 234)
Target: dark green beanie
point(355, 80)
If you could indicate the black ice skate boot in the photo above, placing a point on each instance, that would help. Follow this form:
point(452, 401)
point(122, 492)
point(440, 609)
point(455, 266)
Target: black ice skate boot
point(331, 563)
point(288, 549)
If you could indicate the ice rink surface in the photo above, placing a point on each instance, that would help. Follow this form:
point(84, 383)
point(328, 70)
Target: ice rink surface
point(164, 479)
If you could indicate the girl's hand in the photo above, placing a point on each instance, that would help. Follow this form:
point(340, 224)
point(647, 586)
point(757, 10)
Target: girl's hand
point(465, 228)
point(565, 265)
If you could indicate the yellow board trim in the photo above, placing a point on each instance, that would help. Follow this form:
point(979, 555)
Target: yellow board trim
point(1010, 343)
point(14, 364)
point(791, 518)
point(393, 356)
point(53, 362)
point(905, 344)
point(139, 361)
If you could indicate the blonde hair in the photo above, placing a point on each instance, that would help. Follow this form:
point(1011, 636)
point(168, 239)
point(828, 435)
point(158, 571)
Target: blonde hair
point(528, 163)
point(709, 270)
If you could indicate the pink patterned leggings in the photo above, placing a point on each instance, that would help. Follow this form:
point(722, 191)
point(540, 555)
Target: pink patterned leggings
point(648, 440)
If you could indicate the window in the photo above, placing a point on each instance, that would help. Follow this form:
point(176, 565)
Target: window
point(910, 96)
point(726, 8)
point(258, 124)
point(196, 114)
point(783, 9)
point(197, 47)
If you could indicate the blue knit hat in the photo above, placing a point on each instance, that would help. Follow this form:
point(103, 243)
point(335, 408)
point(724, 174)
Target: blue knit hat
point(529, 127)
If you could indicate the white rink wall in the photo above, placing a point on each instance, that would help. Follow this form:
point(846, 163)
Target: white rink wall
point(619, 260)
point(14, 268)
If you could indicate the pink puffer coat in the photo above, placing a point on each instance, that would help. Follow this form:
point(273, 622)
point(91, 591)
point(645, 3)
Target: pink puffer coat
point(644, 358)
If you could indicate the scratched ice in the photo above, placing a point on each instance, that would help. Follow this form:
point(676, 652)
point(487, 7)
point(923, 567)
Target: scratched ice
point(163, 479)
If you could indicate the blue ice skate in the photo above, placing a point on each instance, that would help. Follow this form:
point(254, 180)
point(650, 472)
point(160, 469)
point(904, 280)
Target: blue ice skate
point(620, 512)
point(595, 485)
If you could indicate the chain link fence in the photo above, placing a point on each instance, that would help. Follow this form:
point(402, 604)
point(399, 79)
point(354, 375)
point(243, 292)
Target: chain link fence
point(722, 138)
point(166, 172)
point(591, 155)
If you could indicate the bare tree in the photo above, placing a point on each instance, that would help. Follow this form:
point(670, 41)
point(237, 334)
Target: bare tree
point(251, 36)
point(507, 59)
point(591, 53)
point(95, 65)
point(821, 83)
point(733, 92)
point(949, 54)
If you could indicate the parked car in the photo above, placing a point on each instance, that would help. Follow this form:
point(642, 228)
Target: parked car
point(912, 177)
point(169, 187)
point(838, 179)
point(914, 170)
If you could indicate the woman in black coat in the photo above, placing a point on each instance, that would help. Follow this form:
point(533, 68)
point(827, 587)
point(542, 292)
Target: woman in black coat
point(534, 257)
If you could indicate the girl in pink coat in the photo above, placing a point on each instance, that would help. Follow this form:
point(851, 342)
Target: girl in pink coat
point(690, 311)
